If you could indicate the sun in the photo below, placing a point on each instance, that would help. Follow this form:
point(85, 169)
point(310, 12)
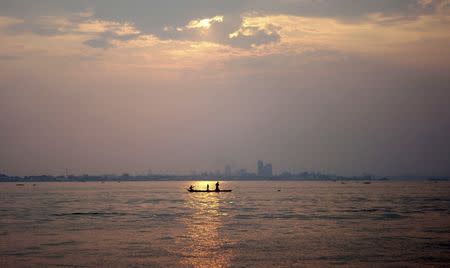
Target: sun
point(201, 185)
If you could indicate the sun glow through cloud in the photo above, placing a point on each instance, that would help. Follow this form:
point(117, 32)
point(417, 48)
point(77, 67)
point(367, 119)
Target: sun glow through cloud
point(374, 35)
point(204, 23)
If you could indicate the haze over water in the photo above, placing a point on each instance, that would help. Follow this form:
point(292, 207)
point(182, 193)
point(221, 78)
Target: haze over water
point(160, 224)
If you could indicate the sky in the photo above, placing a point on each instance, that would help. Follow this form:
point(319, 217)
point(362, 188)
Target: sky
point(335, 86)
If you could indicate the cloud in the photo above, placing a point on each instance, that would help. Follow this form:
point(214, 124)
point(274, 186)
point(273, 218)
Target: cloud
point(391, 38)
point(387, 38)
point(50, 25)
point(6, 22)
point(194, 29)
point(254, 33)
point(226, 30)
point(204, 23)
point(107, 32)
point(100, 33)
point(425, 2)
point(98, 43)
point(101, 26)
point(190, 21)
point(442, 6)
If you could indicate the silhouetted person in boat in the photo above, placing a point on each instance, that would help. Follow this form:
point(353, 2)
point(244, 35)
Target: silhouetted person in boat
point(207, 187)
point(191, 188)
point(217, 187)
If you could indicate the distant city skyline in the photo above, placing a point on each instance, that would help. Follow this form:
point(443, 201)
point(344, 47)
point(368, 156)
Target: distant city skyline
point(261, 170)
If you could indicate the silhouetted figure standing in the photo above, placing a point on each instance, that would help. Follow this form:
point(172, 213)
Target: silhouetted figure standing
point(207, 187)
point(217, 187)
point(191, 188)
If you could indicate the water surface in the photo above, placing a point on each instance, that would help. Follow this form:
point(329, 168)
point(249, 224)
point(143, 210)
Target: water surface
point(259, 224)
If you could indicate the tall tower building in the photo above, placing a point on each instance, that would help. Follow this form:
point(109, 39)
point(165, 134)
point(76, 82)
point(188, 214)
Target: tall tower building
point(268, 170)
point(260, 168)
point(227, 171)
point(264, 170)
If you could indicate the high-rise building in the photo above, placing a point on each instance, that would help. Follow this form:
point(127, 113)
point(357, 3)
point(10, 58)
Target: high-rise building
point(264, 170)
point(242, 172)
point(227, 171)
point(268, 170)
point(260, 168)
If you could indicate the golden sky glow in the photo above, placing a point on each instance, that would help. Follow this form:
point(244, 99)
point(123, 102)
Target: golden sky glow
point(374, 35)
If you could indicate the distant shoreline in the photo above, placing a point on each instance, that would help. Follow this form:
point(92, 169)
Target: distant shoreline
point(32, 180)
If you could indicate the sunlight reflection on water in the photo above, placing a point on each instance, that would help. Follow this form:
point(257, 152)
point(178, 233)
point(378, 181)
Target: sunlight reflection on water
point(206, 248)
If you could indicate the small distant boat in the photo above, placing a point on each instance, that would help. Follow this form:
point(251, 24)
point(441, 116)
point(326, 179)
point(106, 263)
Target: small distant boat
point(367, 182)
point(20, 184)
point(208, 191)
